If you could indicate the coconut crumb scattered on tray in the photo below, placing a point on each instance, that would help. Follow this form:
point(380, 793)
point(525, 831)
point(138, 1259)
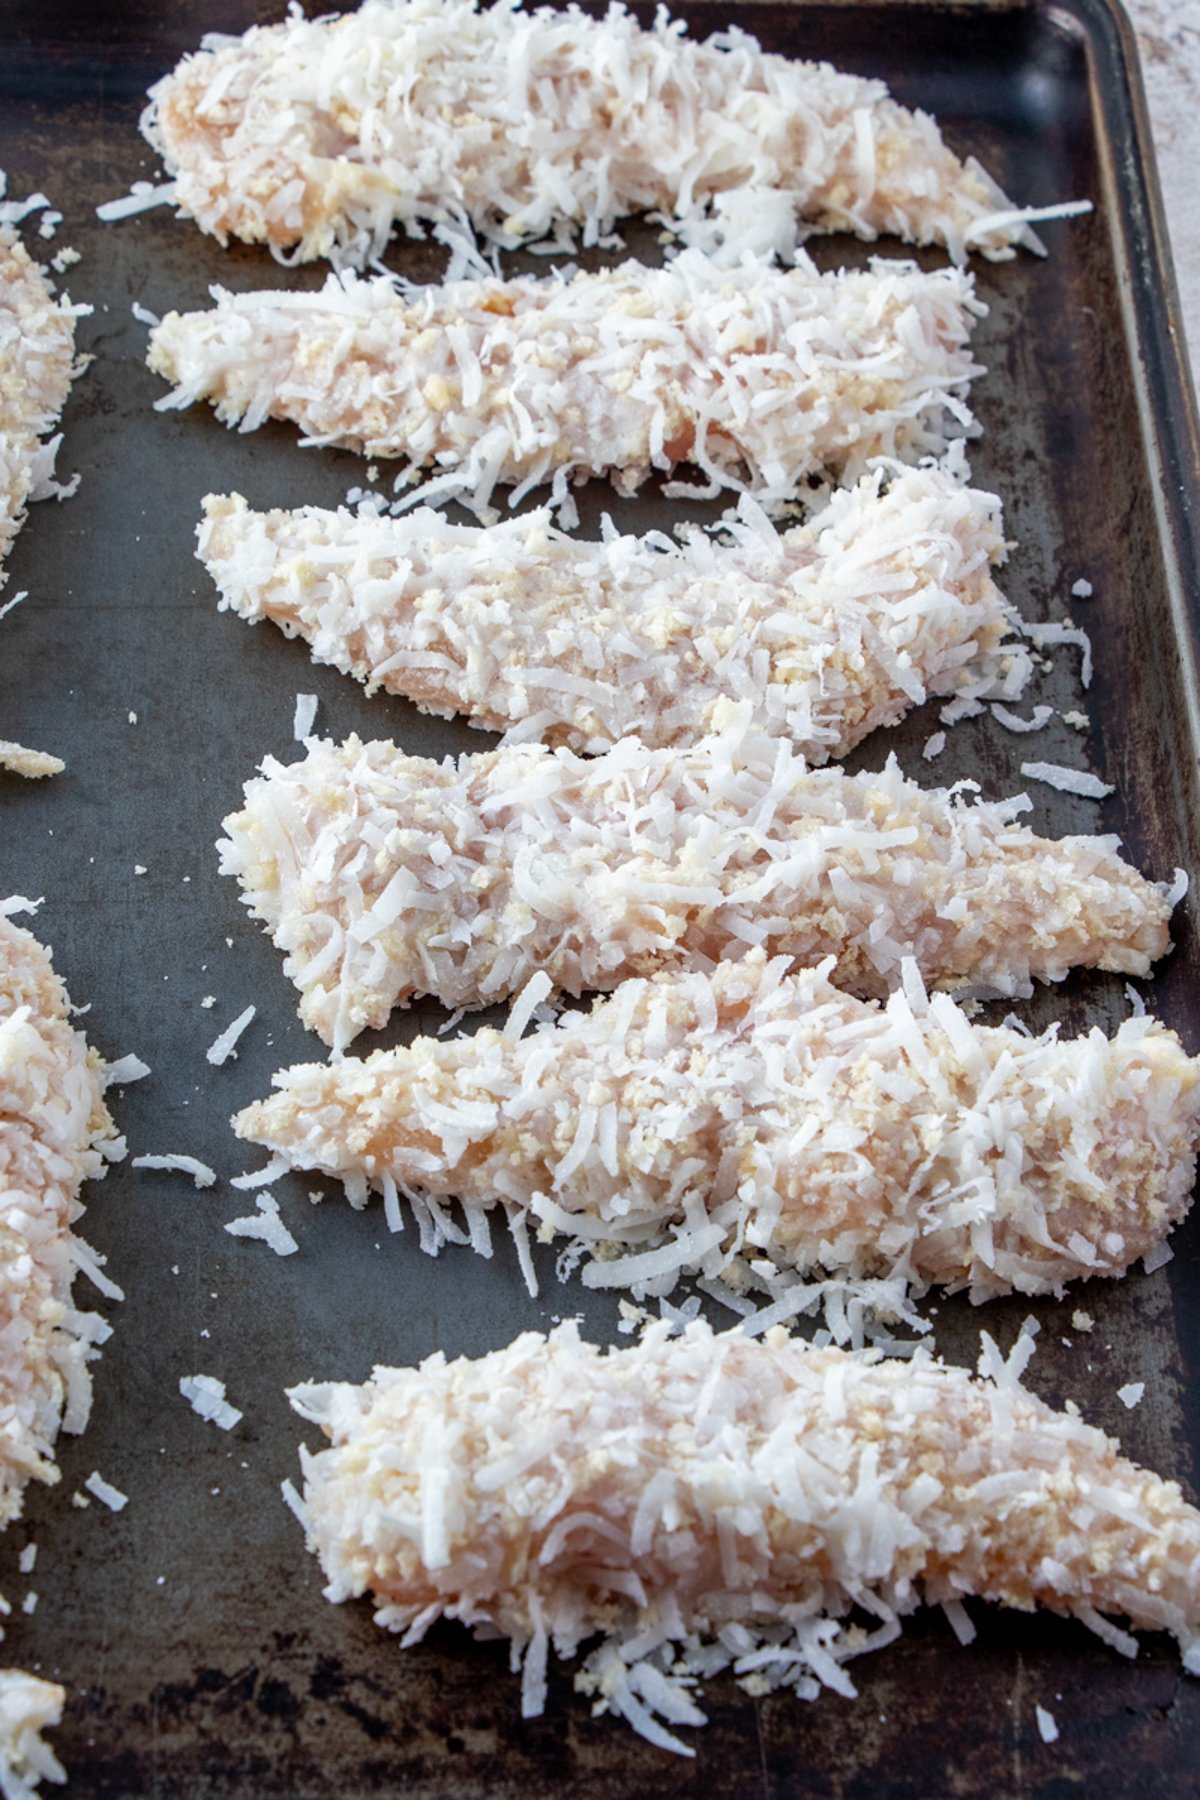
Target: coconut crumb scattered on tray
point(1068, 781)
point(1081, 1320)
point(1054, 632)
point(201, 1174)
point(206, 1396)
point(225, 1046)
point(1012, 721)
point(1046, 1724)
point(103, 1490)
point(304, 717)
point(265, 1224)
point(1131, 1394)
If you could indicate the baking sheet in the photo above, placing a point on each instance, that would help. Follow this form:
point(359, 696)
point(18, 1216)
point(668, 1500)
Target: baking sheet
point(190, 1629)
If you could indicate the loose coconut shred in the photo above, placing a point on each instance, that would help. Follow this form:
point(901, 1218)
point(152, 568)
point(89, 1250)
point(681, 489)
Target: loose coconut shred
point(762, 378)
point(324, 134)
point(55, 1133)
point(712, 1502)
point(694, 1118)
point(830, 630)
point(383, 876)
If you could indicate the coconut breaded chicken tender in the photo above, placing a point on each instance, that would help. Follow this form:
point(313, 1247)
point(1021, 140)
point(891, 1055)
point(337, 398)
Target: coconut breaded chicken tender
point(53, 1129)
point(705, 1501)
point(832, 628)
point(762, 377)
point(383, 876)
point(324, 133)
point(828, 1133)
point(37, 363)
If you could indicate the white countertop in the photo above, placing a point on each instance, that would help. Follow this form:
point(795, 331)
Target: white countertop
point(1169, 36)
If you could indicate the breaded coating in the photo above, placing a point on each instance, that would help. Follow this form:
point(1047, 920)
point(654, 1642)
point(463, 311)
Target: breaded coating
point(54, 1128)
point(37, 363)
point(830, 630)
point(28, 1706)
point(707, 1501)
point(763, 378)
point(383, 876)
point(754, 1111)
point(323, 134)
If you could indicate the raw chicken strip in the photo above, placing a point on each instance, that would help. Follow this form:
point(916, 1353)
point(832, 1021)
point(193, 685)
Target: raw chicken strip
point(37, 364)
point(772, 1113)
point(712, 1500)
point(831, 629)
point(764, 378)
point(323, 134)
point(27, 1706)
point(54, 1135)
point(383, 876)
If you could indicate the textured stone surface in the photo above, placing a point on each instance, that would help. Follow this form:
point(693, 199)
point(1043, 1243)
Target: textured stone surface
point(1169, 38)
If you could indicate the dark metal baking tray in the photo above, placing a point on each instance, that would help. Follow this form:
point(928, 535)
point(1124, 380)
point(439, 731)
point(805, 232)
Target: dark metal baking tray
point(200, 1656)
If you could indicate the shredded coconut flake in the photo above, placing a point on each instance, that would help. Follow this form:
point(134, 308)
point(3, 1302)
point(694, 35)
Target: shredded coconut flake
point(265, 1224)
point(201, 1174)
point(1130, 1395)
point(103, 1490)
point(1068, 781)
point(206, 1396)
point(143, 197)
point(1047, 1728)
point(305, 716)
point(225, 1046)
point(125, 1070)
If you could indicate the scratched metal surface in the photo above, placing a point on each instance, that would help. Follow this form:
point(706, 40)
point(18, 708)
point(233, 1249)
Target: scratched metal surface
point(190, 1629)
